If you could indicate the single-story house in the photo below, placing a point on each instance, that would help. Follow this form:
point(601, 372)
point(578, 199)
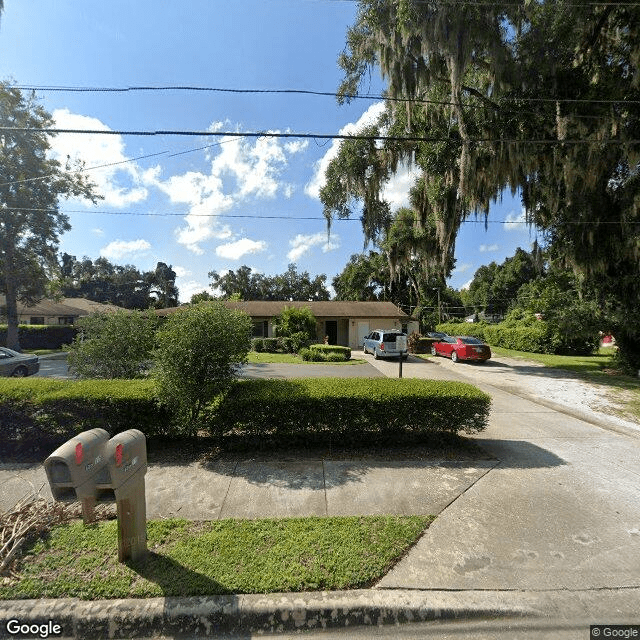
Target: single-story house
point(345, 323)
point(66, 311)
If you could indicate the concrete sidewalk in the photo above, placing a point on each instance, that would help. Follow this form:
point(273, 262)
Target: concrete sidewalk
point(550, 528)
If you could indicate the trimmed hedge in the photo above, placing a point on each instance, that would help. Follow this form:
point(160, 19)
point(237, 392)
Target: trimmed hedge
point(270, 345)
point(534, 338)
point(344, 352)
point(41, 336)
point(257, 344)
point(362, 410)
point(44, 412)
point(475, 329)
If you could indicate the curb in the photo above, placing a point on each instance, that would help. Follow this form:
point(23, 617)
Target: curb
point(54, 356)
point(209, 616)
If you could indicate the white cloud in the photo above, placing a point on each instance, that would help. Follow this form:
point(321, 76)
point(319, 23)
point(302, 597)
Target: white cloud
point(485, 248)
point(302, 244)
point(242, 170)
point(396, 191)
point(95, 150)
point(181, 272)
point(463, 268)
point(516, 221)
point(370, 116)
point(98, 231)
point(188, 288)
point(120, 248)
point(467, 284)
point(235, 250)
point(296, 146)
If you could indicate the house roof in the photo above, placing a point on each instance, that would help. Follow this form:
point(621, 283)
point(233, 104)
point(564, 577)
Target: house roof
point(325, 309)
point(66, 307)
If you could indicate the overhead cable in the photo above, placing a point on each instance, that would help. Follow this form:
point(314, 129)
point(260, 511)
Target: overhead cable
point(318, 136)
point(273, 217)
point(354, 96)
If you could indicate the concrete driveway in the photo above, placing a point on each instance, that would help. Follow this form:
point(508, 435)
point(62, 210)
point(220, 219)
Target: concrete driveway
point(561, 510)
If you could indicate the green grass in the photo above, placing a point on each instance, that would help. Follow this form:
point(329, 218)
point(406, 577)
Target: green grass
point(598, 369)
point(581, 364)
point(44, 352)
point(211, 558)
point(290, 358)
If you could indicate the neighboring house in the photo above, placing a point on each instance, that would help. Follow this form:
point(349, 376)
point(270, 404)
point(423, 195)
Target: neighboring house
point(67, 311)
point(346, 323)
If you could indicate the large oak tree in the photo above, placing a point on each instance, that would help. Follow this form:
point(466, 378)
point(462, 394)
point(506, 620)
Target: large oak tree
point(31, 184)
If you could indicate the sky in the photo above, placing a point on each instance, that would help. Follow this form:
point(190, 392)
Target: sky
point(204, 204)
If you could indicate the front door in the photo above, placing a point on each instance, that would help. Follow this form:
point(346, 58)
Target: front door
point(363, 330)
point(331, 330)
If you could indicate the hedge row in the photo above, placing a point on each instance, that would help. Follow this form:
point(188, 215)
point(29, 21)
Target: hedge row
point(534, 338)
point(363, 410)
point(40, 413)
point(37, 336)
point(278, 345)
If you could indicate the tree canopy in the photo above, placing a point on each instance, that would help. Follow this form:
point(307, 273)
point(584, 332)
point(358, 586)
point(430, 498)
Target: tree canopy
point(539, 98)
point(289, 285)
point(30, 220)
point(122, 285)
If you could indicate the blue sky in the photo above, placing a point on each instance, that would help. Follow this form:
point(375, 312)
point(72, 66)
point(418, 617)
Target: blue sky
point(177, 208)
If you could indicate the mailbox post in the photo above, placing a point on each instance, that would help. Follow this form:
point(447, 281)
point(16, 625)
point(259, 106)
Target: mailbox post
point(123, 480)
point(401, 345)
point(91, 468)
point(72, 468)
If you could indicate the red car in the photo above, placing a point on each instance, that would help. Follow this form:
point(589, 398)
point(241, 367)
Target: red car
point(461, 348)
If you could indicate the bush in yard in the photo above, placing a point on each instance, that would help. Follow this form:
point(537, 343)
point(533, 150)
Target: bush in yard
point(475, 329)
point(257, 345)
point(270, 345)
point(113, 345)
point(327, 409)
point(284, 344)
point(200, 349)
point(332, 349)
point(293, 321)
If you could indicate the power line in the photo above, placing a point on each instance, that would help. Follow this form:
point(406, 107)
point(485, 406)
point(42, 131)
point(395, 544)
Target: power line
point(318, 136)
point(119, 162)
point(197, 88)
point(273, 217)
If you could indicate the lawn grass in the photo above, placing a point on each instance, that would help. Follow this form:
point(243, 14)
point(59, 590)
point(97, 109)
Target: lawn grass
point(290, 358)
point(598, 369)
point(211, 558)
point(581, 364)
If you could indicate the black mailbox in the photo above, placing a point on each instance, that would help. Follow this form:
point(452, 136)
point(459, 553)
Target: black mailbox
point(73, 467)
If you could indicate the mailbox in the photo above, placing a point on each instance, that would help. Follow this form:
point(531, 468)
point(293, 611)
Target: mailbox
point(122, 480)
point(91, 468)
point(72, 468)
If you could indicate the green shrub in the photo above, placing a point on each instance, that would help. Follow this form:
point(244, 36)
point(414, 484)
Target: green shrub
point(200, 349)
point(475, 329)
point(531, 338)
point(40, 336)
point(305, 353)
point(343, 352)
point(299, 340)
point(41, 413)
point(257, 345)
point(285, 344)
point(366, 409)
point(311, 355)
point(270, 345)
point(416, 343)
point(113, 345)
point(293, 320)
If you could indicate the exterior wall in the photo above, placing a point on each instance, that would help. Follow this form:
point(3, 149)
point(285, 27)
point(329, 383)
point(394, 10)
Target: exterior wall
point(374, 323)
point(48, 320)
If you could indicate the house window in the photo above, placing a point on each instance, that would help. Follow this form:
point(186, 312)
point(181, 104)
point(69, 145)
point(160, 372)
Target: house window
point(65, 320)
point(404, 328)
point(261, 329)
point(36, 320)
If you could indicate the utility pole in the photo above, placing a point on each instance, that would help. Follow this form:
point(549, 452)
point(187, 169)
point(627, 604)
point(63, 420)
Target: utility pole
point(439, 308)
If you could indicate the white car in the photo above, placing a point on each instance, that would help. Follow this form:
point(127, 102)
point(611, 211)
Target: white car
point(382, 343)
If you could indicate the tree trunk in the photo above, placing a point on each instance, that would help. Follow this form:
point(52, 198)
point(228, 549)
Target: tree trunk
point(12, 301)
